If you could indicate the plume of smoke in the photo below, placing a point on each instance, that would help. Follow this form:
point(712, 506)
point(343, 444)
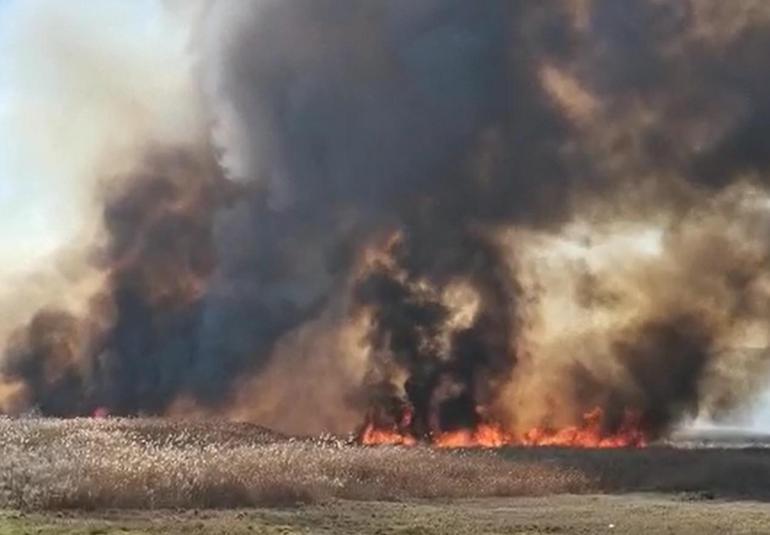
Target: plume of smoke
point(446, 121)
point(670, 322)
point(476, 210)
point(78, 111)
point(91, 89)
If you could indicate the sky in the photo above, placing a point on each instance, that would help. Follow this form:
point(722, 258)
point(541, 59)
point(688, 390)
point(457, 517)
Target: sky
point(10, 191)
point(28, 228)
point(43, 113)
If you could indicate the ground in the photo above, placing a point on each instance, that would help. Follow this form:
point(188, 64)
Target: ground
point(567, 514)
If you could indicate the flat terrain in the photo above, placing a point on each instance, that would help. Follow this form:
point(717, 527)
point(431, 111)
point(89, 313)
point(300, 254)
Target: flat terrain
point(154, 476)
point(630, 514)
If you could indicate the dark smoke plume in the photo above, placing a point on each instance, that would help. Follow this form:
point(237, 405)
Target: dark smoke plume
point(468, 211)
point(140, 333)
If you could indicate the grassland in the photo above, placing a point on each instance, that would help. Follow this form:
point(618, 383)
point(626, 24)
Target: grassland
point(152, 476)
point(564, 514)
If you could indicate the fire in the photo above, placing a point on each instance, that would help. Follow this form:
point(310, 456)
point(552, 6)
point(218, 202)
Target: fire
point(484, 436)
point(392, 435)
point(589, 434)
point(373, 436)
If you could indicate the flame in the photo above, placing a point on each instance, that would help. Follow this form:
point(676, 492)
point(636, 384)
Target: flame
point(589, 434)
point(392, 435)
point(486, 435)
point(374, 436)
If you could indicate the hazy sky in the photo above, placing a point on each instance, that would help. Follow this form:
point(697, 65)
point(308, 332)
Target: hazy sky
point(19, 219)
point(27, 228)
point(37, 208)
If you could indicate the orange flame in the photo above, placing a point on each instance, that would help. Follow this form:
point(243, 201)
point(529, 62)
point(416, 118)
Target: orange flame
point(589, 434)
point(484, 436)
point(373, 436)
point(392, 435)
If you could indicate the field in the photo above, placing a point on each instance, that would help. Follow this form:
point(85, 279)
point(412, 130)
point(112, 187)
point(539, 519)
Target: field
point(153, 476)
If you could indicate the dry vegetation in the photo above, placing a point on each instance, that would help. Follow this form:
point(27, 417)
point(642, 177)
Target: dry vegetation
point(151, 464)
point(584, 515)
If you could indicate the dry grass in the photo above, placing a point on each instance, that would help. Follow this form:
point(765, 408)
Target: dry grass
point(49, 464)
point(585, 515)
point(153, 464)
point(735, 473)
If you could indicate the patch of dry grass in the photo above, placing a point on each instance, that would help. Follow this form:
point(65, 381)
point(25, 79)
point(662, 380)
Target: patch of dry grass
point(153, 464)
point(700, 473)
point(138, 464)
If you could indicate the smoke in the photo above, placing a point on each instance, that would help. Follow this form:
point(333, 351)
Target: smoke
point(313, 213)
point(81, 116)
point(670, 321)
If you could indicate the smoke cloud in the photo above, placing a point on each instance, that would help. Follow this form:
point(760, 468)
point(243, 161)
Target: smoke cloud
point(314, 214)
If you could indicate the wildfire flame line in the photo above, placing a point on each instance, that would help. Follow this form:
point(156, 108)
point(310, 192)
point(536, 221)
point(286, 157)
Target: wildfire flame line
point(589, 434)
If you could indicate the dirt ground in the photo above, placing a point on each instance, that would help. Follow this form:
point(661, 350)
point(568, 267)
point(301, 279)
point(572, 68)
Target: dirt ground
point(630, 514)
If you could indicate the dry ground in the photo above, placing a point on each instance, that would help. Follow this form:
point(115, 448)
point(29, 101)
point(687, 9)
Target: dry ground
point(150, 476)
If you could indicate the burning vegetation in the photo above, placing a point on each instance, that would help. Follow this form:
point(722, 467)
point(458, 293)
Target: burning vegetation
point(457, 223)
point(591, 433)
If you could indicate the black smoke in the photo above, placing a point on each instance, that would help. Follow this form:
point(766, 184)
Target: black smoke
point(427, 119)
